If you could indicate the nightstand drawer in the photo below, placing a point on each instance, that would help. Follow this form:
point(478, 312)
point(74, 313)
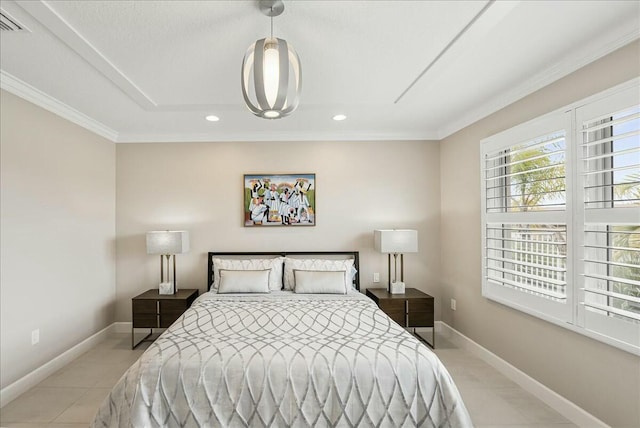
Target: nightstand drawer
point(395, 309)
point(169, 318)
point(145, 320)
point(392, 305)
point(399, 317)
point(170, 311)
point(145, 307)
point(420, 319)
point(167, 306)
point(420, 313)
point(420, 305)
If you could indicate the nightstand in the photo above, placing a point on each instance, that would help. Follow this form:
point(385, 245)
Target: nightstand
point(154, 310)
point(411, 309)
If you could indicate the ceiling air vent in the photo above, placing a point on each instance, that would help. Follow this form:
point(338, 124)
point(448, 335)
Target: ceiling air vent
point(8, 23)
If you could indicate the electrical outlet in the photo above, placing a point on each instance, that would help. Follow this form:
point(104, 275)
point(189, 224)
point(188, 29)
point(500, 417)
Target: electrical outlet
point(376, 277)
point(35, 336)
point(453, 304)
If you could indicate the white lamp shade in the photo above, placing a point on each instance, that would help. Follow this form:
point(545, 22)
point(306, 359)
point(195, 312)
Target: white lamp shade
point(271, 78)
point(396, 241)
point(167, 242)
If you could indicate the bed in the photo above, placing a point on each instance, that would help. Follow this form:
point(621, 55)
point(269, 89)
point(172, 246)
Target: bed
point(284, 357)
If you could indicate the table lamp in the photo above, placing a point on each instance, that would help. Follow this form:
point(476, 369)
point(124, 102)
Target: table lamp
point(167, 243)
point(396, 242)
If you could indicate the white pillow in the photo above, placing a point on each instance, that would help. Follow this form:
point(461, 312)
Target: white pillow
point(320, 282)
point(344, 265)
point(275, 264)
point(244, 281)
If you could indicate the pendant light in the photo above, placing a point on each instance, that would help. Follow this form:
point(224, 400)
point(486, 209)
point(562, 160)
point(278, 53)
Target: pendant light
point(271, 72)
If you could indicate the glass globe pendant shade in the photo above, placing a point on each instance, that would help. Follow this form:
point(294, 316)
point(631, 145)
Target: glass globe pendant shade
point(271, 78)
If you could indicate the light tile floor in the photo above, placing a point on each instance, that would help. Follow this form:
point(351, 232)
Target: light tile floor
point(492, 399)
point(71, 396)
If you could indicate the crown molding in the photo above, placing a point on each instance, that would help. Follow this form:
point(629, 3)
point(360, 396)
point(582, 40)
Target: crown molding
point(623, 35)
point(27, 92)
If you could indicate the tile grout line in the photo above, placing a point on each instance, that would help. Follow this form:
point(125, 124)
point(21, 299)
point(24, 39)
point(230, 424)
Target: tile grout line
point(68, 407)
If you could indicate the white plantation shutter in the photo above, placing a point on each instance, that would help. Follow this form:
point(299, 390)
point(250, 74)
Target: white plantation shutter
point(528, 176)
point(609, 174)
point(528, 257)
point(525, 219)
point(561, 217)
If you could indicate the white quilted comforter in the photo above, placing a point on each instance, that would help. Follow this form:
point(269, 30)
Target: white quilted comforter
point(284, 360)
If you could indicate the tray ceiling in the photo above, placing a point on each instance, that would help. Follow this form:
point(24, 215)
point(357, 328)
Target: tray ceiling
point(151, 70)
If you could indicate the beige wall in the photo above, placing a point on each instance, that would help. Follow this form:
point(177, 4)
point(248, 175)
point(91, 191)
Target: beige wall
point(57, 235)
point(361, 186)
point(601, 379)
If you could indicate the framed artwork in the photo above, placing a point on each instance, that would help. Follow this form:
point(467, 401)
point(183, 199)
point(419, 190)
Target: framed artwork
point(279, 200)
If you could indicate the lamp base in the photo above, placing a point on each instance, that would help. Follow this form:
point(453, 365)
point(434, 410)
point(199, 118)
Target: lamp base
point(165, 288)
point(397, 288)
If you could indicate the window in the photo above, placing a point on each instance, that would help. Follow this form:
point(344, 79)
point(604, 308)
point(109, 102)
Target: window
point(609, 138)
point(525, 217)
point(561, 217)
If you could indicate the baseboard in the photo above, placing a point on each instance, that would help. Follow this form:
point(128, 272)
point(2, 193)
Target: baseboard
point(566, 408)
point(25, 383)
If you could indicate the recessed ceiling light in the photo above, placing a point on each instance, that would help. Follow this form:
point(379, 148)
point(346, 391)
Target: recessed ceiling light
point(212, 118)
point(339, 117)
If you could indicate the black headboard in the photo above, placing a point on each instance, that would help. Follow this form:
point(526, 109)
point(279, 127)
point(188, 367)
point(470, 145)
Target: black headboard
point(354, 254)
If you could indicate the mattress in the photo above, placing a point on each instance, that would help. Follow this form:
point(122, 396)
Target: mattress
point(285, 359)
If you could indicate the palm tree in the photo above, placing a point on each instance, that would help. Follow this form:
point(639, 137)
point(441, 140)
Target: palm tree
point(629, 190)
point(537, 177)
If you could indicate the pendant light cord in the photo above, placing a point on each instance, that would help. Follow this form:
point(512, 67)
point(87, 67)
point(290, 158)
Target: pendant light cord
point(272, 22)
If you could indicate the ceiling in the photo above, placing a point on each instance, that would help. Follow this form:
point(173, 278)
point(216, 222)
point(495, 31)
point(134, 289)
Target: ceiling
point(138, 71)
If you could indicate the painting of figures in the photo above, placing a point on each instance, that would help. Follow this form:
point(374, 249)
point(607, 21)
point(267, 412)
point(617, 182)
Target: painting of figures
point(280, 200)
